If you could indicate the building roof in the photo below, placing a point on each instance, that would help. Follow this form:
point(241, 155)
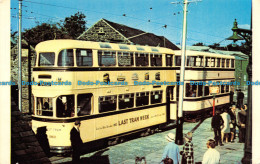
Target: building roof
point(140, 37)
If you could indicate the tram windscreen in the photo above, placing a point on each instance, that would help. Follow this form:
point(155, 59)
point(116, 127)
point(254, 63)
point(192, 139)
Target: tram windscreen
point(46, 59)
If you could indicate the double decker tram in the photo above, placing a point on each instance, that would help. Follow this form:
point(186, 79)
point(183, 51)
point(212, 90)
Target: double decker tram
point(203, 69)
point(113, 89)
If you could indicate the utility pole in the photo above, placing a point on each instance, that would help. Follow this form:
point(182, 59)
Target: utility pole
point(20, 56)
point(179, 129)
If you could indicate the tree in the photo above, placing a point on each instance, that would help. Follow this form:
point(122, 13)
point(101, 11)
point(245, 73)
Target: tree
point(198, 44)
point(42, 32)
point(74, 25)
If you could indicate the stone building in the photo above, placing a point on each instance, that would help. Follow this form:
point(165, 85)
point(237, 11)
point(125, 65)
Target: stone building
point(107, 31)
point(28, 59)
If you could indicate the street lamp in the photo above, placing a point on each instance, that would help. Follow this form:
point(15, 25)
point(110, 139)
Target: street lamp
point(213, 90)
point(246, 35)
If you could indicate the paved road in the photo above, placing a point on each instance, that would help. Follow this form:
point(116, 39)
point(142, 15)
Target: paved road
point(151, 147)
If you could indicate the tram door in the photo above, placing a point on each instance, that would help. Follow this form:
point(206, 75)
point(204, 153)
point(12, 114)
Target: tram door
point(169, 103)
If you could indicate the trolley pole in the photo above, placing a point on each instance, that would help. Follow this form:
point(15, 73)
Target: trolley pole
point(20, 57)
point(179, 129)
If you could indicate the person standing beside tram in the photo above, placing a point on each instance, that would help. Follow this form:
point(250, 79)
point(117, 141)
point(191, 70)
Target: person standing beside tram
point(76, 142)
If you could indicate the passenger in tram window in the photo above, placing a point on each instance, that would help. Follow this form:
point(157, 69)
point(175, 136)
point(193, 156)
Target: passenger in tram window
point(193, 93)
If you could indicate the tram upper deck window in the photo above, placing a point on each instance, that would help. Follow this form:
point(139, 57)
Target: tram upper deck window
point(66, 58)
point(84, 104)
point(169, 59)
point(227, 63)
point(123, 47)
point(232, 63)
point(212, 62)
point(65, 106)
point(177, 60)
point(156, 97)
point(104, 45)
point(141, 59)
point(106, 58)
point(125, 59)
point(142, 98)
point(46, 59)
point(126, 101)
point(191, 60)
point(199, 61)
point(156, 59)
point(44, 106)
point(218, 62)
point(191, 90)
point(223, 63)
point(84, 57)
point(107, 103)
point(207, 61)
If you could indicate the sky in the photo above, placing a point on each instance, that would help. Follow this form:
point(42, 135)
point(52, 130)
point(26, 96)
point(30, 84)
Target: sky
point(208, 21)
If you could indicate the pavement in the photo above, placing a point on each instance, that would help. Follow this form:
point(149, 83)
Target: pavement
point(151, 147)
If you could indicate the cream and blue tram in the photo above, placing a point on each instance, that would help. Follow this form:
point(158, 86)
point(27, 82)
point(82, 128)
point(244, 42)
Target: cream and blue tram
point(203, 69)
point(112, 88)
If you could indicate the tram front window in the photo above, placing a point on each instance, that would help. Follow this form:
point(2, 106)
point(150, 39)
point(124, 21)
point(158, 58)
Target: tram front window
point(46, 59)
point(65, 106)
point(44, 106)
point(66, 58)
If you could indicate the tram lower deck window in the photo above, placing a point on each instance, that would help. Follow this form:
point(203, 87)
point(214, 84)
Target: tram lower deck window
point(156, 97)
point(65, 106)
point(206, 90)
point(191, 90)
point(44, 106)
point(84, 104)
point(107, 103)
point(126, 101)
point(142, 98)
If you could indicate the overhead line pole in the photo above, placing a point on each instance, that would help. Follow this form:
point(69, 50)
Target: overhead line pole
point(20, 57)
point(179, 129)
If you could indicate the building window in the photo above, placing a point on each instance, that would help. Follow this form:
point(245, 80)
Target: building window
point(126, 101)
point(218, 62)
point(107, 103)
point(191, 90)
point(84, 102)
point(169, 59)
point(125, 59)
point(65, 106)
point(156, 97)
point(66, 58)
point(84, 57)
point(177, 60)
point(142, 98)
point(106, 58)
point(46, 59)
point(141, 59)
point(44, 106)
point(156, 59)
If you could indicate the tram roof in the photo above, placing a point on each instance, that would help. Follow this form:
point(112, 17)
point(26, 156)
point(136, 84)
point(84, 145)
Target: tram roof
point(55, 45)
point(196, 53)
